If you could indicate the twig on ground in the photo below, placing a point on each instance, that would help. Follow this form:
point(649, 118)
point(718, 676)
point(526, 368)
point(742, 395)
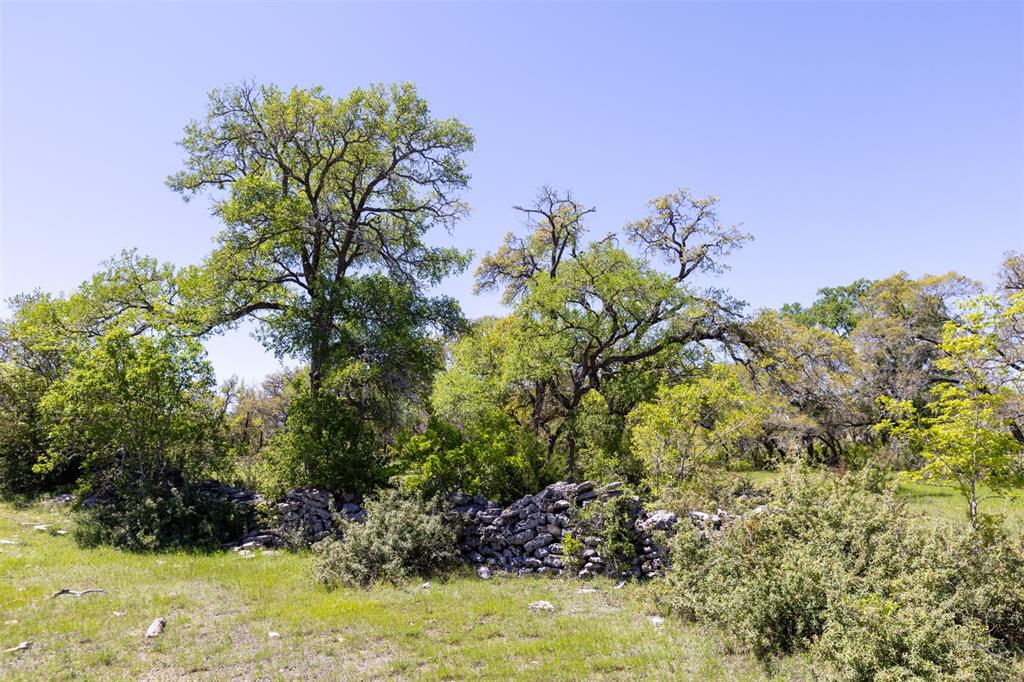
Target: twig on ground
point(74, 593)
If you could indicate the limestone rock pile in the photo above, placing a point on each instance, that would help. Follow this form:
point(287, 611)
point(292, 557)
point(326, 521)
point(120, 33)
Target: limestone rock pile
point(303, 516)
point(708, 523)
point(309, 512)
point(652, 559)
point(237, 496)
point(646, 532)
point(527, 536)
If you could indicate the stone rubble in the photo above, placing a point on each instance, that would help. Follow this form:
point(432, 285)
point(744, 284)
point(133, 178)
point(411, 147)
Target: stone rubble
point(305, 515)
point(527, 536)
point(712, 523)
point(238, 496)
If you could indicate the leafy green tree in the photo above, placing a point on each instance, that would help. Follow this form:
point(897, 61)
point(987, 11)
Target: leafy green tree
point(836, 309)
point(811, 370)
point(140, 403)
point(963, 442)
point(31, 358)
point(138, 415)
point(487, 393)
point(320, 197)
point(493, 456)
point(865, 341)
point(131, 291)
point(22, 438)
point(1011, 274)
point(990, 332)
point(602, 433)
point(594, 317)
point(325, 444)
point(45, 336)
point(326, 204)
point(963, 433)
point(899, 337)
point(695, 424)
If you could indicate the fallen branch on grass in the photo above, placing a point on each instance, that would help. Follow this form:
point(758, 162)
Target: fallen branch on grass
point(74, 593)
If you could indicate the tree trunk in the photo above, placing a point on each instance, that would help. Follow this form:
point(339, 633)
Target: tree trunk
point(570, 458)
point(973, 502)
point(320, 329)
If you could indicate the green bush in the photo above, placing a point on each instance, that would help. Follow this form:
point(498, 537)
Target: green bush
point(138, 415)
point(404, 535)
point(144, 398)
point(324, 444)
point(770, 601)
point(23, 437)
point(832, 567)
point(492, 459)
point(874, 638)
point(572, 548)
point(165, 512)
point(612, 520)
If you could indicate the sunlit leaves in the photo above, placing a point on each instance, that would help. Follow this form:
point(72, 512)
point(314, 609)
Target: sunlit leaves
point(695, 424)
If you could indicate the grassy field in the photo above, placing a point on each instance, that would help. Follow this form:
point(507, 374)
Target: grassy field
point(221, 610)
point(934, 502)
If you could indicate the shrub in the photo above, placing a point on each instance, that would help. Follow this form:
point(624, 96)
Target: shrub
point(491, 458)
point(833, 567)
point(612, 520)
point(977, 575)
point(692, 425)
point(404, 535)
point(23, 437)
point(572, 548)
point(137, 413)
point(874, 638)
point(324, 444)
point(137, 401)
point(771, 601)
point(148, 514)
point(34, 351)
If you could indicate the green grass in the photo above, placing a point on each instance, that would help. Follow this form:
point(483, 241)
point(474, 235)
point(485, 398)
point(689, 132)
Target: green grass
point(948, 504)
point(220, 609)
point(937, 503)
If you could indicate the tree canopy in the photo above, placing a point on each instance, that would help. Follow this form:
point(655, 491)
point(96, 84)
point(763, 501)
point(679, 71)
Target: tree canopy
point(619, 354)
point(318, 195)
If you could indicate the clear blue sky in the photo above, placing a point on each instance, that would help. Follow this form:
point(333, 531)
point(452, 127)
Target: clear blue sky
point(853, 140)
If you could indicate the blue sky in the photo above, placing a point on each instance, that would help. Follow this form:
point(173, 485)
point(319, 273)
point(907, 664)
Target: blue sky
point(853, 140)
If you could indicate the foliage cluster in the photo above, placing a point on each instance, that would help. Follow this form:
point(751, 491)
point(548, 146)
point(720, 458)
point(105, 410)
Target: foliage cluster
point(157, 513)
point(613, 521)
point(404, 535)
point(615, 360)
point(834, 568)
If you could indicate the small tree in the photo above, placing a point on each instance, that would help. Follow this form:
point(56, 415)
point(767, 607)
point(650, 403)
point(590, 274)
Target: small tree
point(141, 403)
point(595, 317)
point(692, 424)
point(138, 414)
point(964, 434)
